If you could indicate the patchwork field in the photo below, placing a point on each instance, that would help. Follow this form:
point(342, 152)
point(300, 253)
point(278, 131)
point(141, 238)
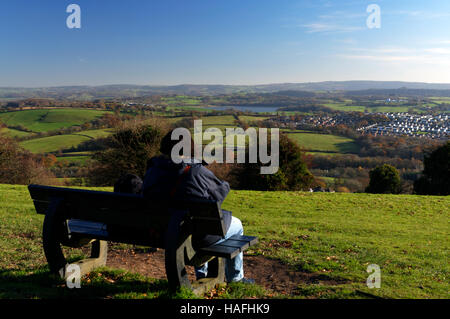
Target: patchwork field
point(49, 120)
point(356, 108)
point(182, 100)
point(323, 143)
point(14, 133)
point(329, 238)
point(57, 142)
point(249, 118)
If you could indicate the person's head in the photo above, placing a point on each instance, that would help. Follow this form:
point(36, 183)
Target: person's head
point(128, 183)
point(167, 144)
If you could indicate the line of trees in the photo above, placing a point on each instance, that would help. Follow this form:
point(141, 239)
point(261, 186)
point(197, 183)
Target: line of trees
point(434, 180)
point(18, 166)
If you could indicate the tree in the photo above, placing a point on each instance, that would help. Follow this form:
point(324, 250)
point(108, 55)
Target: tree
point(18, 166)
point(292, 174)
point(384, 179)
point(127, 151)
point(435, 179)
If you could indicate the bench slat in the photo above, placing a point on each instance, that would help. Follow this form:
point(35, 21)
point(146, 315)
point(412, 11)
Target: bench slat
point(242, 245)
point(221, 251)
point(252, 240)
point(231, 247)
point(87, 228)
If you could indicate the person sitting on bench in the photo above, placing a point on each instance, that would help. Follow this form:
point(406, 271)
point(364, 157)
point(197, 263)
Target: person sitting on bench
point(168, 180)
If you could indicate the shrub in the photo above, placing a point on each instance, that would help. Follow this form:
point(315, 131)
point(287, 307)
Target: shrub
point(436, 174)
point(384, 179)
point(127, 151)
point(292, 174)
point(342, 189)
point(18, 166)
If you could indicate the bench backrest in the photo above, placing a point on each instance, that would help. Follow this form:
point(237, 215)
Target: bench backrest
point(128, 211)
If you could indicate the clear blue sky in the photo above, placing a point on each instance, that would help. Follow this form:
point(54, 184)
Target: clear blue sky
point(222, 42)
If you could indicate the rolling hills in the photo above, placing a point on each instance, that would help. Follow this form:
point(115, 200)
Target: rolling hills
point(44, 120)
point(131, 91)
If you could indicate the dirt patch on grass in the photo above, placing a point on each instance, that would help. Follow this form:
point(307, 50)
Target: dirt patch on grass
point(271, 274)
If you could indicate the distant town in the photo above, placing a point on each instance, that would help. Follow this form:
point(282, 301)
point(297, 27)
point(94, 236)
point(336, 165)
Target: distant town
point(434, 126)
point(431, 126)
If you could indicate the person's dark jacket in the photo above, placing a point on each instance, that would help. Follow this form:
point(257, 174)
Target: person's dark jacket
point(166, 180)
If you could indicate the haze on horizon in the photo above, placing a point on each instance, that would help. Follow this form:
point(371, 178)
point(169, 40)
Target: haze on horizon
point(222, 42)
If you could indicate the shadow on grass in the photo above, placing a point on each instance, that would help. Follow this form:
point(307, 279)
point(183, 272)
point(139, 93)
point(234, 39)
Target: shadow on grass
point(102, 283)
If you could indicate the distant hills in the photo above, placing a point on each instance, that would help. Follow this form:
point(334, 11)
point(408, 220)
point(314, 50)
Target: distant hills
point(130, 91)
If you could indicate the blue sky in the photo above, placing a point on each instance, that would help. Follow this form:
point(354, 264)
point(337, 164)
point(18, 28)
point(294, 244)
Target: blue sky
point(222, 42)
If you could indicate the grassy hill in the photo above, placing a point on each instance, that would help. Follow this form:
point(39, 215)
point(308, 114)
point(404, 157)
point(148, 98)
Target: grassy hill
point(57, 142)
point(333, 235)
point(49, 119)
point(14, 133)
point(327, 143)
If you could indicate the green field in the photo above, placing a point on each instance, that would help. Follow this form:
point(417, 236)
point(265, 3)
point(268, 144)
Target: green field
point(14, 133)
point(323, 143)
point(79, 159)
point(182, 100)
point(249, 118)
point(57, 142)
point(440, 99)
point(357, 108)
point(218, 121)
point(49, 119)
point(332, 236)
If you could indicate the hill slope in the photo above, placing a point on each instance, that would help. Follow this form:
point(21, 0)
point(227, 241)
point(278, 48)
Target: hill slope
point(332, 234)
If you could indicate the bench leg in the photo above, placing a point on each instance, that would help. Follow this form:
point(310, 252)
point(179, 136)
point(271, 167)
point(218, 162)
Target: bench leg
point(176, 261)
point(51, 234)
point(99, 253)
point(53, 231)
point(179, 253)
point(216, 275)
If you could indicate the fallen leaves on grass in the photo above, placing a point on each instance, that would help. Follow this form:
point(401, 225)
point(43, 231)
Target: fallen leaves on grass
point(215, 293)
point(332, 258)
point(279, 244)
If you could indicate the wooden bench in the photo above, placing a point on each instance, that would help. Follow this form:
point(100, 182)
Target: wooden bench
point(76, 217)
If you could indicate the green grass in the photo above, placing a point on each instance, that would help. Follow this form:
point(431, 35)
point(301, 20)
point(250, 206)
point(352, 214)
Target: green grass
point(333, 235)
point(53, 143)
point(361, 108)
point(49, 119)
point(249, 118)
point(344, 107)
point(74, 159)
point(339, 235)
point(96, 133)
point(189, 108)
point(323, 143)
point(14, 133)
point(57, 142)
point(440, 99)
point(217, 121)
point(182, 100)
